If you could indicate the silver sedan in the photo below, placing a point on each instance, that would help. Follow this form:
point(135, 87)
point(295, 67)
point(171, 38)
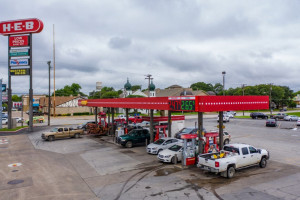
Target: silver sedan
point(291, 118)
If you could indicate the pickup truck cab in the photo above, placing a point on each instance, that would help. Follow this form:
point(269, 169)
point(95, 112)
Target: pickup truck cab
point(231, 158)
point(278, 116)
point(62, 132)
point(134, 137)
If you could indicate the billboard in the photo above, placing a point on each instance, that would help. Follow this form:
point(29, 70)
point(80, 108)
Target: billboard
point(3, 87)
point(16, 41)
point(21, 26)
point(19, 62)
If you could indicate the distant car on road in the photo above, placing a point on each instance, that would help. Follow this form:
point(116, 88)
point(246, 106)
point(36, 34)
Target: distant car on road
point(291, 118)
point(19, 119)
point(278, 116)
point(226, 118)
point(187, 130)
point(231, 113)
point(4, 121)
point(298, 122)
point(256, 115)
point(271, 122)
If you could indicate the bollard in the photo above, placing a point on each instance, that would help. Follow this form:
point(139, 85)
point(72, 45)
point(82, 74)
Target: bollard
point(175, 159)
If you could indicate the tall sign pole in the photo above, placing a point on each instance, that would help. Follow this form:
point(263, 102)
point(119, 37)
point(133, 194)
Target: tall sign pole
point(53, 72)
point(1, 104)
point(30, 89)
point(19, 34)
point(9, 117)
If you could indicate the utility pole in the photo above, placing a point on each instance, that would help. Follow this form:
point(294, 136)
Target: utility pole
point(49, 96)
point(53, 72)
point(223, 73)
point(1, 104)
point(243, 88)
point(148, 76)
point(270, 98)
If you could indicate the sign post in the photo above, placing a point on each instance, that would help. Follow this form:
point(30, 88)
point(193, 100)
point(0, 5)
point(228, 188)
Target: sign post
point(1, 104)
point(19, 34)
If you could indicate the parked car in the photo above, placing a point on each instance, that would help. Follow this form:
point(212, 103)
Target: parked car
point(35, 113)
point(4, 121)
point(278, 116)
point(134, 137)
point(291, 118)
point(298, 122)
point(144, 124)
point(19, 119)
point(231, 158)
point(231, 113)
point(256, 115)
point(186, 130)
point(36, 120)
point(226, 118)
point(4, 115)
point(161, 144)
point(271, 122)
point(61, 132)
point(84, 125)
point(168, 155)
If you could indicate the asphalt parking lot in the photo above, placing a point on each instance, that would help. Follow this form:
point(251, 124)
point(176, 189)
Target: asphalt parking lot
point(96, 168)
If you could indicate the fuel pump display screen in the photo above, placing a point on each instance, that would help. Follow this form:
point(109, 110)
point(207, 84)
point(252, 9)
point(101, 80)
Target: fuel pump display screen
point(182, 105)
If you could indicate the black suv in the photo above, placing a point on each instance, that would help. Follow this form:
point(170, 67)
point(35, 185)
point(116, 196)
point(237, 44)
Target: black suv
point(256, 115)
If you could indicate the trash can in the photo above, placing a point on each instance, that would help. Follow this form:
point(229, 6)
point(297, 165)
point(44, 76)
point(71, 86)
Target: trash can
point(13, 123)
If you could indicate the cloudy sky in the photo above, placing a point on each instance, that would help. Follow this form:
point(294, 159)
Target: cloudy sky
point(177, 41)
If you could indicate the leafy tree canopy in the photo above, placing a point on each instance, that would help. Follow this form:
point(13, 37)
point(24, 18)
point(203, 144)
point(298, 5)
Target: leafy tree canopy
point(16, 98)
point(68, 90)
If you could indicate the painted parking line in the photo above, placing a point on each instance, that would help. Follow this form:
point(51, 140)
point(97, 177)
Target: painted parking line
point(15, 165)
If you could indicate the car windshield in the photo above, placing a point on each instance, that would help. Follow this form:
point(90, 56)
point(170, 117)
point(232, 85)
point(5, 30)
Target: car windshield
point(231, 149)
point(186, 130)
point(159, 142)
point(175, 147)
point(54, 130)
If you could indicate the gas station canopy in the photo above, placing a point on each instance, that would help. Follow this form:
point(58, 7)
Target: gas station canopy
point(184, 103)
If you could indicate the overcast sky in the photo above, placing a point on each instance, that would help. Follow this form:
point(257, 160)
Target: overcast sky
point(177, 41)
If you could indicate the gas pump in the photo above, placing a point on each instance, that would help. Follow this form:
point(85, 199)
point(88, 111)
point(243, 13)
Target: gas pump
point(189, 150)
point(158, 135)
point(102, 115)
point(211, 145)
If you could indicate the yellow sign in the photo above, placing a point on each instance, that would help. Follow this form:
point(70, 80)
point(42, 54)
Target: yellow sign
point(222, 126)
point(84, 103)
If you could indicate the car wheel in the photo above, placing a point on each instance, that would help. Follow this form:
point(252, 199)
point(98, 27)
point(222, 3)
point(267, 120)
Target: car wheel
point(76, 135)
point(255, 117)
point(267, 117)
point(159, 151)
point(226, 141)
point(51, 138)
point(128, 144)
point(173, 160)
point(290, 119)
point(263, 162)
point(230, 172)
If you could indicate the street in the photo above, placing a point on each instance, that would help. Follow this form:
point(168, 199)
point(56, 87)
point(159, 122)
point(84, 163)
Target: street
point(96, 168)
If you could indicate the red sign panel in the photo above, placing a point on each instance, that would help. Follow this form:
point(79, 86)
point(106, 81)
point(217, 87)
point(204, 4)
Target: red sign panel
point(16, 41)
point(226, 103)
point(21, 26)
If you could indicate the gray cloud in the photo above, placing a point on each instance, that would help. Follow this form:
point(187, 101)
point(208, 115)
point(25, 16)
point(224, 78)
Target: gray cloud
point(178, 42)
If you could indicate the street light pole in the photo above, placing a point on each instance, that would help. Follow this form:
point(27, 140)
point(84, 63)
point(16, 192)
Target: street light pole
point(49, 97)
point(148, 76)
point(223, 73)
point(271, 98)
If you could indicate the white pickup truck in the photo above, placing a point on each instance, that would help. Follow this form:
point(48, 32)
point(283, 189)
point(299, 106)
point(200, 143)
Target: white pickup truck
point(231, 158)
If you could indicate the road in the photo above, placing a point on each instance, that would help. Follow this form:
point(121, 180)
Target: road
point(96, 168)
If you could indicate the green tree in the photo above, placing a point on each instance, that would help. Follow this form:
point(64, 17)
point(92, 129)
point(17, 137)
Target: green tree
point(202, 86)
point(135, 87)
point(74, 90)
point(134, 96)
point(16, 98)
point(110, 94)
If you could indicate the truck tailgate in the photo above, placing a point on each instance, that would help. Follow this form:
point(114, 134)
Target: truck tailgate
point(208, 164)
